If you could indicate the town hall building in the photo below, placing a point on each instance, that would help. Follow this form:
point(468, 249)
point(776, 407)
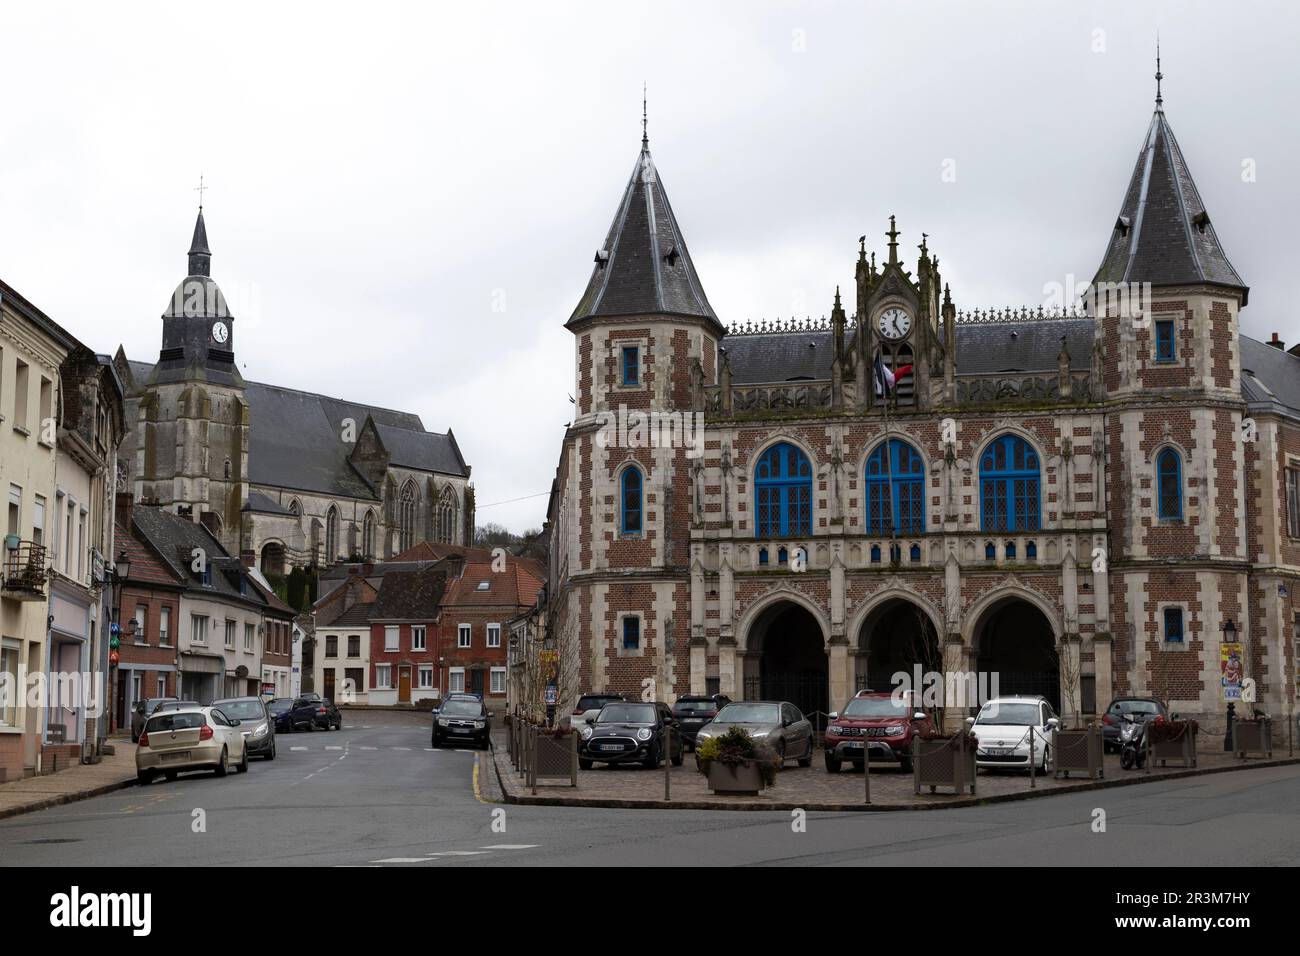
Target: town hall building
point(1085, 502)
point(281, 477)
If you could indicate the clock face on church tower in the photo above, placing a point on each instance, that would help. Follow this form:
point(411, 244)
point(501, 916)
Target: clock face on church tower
point(220, 332)
point(894, 323)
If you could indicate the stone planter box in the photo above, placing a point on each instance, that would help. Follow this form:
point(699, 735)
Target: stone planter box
point(744, 779)
point(1078, 751)
point(1253, 737)
point(943, 762)
point(1182, 749)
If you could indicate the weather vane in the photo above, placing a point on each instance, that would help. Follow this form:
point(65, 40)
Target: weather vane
point(199, 189)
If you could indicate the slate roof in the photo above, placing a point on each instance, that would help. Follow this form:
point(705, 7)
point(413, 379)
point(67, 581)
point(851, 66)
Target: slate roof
point(146, 566)
point(1269, 375)
point(296, 440)
point(174, 539)
point(358, 615)
point(983, 348)
point(643, 266)
point(1163, 234)
point(416, 448)
point(411, 595)
point(264, 504)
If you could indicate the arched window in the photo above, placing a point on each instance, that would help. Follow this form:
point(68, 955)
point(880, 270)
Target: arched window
point(1009, 493)
point(1169, 485)
point(895, 490)
point(408, 508)
point(446, 517)
point(331, 535)
point(783, 493)
point(296, 507)
point(629, 521)
point(368, 535)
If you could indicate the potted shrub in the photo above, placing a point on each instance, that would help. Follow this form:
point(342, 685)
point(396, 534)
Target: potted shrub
point(735, 764)
point(1077, 749)
point(1172, 739)
point(942, 761)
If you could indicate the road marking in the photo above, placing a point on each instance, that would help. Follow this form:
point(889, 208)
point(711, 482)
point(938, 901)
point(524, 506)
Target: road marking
point(430, 750)
point(460, 751)
point(458, 853)
point(369, 748)
point(298, 748)
point(333, 748)
point(401, 859)
point(511, 846)
point(400, 748)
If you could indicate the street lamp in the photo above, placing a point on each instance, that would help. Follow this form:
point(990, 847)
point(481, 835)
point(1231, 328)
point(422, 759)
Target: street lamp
point(1229, 636)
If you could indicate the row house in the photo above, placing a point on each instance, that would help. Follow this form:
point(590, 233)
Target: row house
point(224, 613)
point(428, 623)
point(61, 420)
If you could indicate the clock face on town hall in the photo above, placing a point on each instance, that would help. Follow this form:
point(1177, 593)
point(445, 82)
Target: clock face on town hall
point(894, 323)
point(220, 332)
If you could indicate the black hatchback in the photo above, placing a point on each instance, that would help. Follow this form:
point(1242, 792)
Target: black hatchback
point(693, 711)
point(629, 731)
point(313, 713)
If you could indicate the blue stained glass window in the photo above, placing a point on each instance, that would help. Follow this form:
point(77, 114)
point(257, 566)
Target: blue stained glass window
point(783, 493)
point(1165, 349)
point(1009, 486)
point(895, 489)
point(631, 365)
point(630, 501)
point(1169, 485)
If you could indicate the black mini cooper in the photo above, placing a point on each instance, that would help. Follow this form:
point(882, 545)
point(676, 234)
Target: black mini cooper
point(627, 731)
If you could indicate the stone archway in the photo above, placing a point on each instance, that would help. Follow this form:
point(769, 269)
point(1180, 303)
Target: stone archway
point(273, 559)
point(896, 636)
point(1015, 642)
point(785, 657)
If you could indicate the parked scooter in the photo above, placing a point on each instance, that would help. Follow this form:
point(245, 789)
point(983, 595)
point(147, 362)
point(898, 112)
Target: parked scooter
point(1133, 743)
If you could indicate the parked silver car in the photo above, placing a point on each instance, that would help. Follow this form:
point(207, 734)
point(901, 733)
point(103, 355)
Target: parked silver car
point(197, 738)
point(775, 723)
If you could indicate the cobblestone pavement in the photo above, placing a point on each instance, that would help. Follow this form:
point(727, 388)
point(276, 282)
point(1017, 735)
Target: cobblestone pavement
point(815, 788)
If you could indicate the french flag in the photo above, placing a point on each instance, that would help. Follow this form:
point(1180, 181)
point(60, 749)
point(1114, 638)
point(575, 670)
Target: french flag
point(885, 378)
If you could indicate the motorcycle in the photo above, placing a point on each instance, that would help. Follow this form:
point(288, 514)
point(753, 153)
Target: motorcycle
point(1133, 743)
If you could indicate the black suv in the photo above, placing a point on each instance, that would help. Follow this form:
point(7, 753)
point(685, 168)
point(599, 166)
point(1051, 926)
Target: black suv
point(313, 713)
point(693, 711)
point(629, 730)
point(462, 720)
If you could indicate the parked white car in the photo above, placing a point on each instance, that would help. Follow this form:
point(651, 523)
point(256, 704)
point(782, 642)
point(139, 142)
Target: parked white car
point(194, 738)
point(1003, 728)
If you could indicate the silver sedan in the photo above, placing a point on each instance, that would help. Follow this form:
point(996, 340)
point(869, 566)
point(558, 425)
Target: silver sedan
point(775, 723)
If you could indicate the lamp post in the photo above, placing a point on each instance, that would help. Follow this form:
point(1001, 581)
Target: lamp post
point(117, 575)
point(1229, 636)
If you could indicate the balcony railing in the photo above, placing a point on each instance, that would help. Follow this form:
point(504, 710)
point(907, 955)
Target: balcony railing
point(25, 573)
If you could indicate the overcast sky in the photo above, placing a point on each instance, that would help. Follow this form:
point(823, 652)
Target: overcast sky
point(382, 175)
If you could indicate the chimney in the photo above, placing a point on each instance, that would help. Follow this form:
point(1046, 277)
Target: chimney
point(122, 505)
point(1277, 343)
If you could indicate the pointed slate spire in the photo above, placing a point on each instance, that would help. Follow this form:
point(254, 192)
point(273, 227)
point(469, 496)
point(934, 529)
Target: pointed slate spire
point(1163, 234)
point(200, 255)
point(643, 267)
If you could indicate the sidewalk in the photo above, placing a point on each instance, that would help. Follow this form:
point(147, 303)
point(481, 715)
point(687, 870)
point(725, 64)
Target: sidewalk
point(77, 782)
point(633, 787)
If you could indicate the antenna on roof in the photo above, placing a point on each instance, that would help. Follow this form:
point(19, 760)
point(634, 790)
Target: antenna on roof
point(645, 136)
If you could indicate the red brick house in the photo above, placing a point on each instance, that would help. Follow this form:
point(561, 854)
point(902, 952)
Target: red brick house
point(472, 624)
point(403, 633)
point(150, 602)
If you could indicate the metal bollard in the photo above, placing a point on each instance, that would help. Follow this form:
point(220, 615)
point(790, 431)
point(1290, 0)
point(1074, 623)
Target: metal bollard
point(866, 770)
point(1033, 767)
point(668, 762)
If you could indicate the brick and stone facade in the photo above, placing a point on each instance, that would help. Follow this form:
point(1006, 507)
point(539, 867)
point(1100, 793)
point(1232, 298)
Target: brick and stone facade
point(1081, 582)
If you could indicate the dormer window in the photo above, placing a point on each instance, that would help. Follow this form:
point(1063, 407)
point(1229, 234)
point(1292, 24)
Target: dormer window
point(672, 256)
point(631, 365)
point(1201, 220)
point(602, 258)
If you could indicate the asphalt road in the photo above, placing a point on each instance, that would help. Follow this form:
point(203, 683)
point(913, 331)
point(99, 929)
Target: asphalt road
point(373, 794)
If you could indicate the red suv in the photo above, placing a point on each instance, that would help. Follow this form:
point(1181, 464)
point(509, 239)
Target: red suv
point(878, 720)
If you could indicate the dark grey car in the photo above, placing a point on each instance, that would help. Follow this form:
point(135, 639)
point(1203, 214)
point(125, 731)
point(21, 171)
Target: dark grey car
point(777, 723)
point(255, 723)
point(141, 712)
point(1112, 722)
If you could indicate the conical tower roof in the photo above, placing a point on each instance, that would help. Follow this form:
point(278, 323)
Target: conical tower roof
point(643, 267)
point(1163, 234)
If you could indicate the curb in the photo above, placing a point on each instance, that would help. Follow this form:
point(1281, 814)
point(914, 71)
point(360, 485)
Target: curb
point(966, 801)
point(63, 798)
